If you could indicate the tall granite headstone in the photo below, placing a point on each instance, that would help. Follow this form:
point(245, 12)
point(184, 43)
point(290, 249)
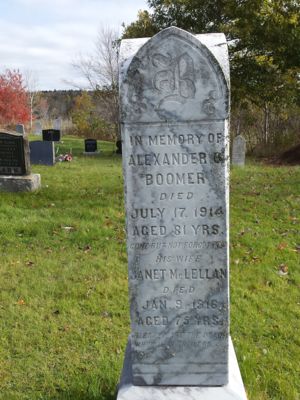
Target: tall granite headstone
point(174, 92)
point(238, 151)
point(15, 174)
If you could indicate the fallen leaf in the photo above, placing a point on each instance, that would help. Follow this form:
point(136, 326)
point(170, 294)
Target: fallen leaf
point(105, 314)
point(29, 263)
point(282, 246)
point(87, 248)
point(283, 269)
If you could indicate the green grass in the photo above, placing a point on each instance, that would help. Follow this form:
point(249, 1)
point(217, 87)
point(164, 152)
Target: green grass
point(63, 281)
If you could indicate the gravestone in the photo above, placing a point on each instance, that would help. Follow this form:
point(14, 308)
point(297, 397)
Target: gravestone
point(57, 124)
point(119, 147)
point(42, 153)
point(37, 127)
point(52, 135)
point(238, 151)
point(15, 173)
point(20, 129)
point(174, 99)
point(90, 147)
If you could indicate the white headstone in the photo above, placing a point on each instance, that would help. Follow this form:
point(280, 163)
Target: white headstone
point(57, 124)
point(174, 91)
point(38, 127)
point(238, 151)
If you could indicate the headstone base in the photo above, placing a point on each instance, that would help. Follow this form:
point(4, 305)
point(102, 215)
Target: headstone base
point(23, 183)
point(91, 153)
point(234, 390)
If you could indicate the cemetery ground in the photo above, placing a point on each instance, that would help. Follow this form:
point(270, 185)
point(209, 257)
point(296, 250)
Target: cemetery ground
point(63, 276)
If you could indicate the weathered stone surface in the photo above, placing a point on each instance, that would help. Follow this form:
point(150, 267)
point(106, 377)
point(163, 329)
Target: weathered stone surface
point(14, 154)
point(174, 113)
point(57, 123)
point(42, 152)
point(26, 183)
point(37, 127)
point(238, 151)
point(234, 390)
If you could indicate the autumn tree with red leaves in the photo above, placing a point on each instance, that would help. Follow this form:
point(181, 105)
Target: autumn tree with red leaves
point(14, 104)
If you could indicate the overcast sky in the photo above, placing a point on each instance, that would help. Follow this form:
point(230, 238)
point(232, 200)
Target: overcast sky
point(45, 36)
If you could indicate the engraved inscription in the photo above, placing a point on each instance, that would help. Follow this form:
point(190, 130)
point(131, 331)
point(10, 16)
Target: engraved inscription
point(12, 160)
point(176, 76)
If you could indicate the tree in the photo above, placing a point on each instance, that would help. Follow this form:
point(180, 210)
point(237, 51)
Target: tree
point(100, 69)
point(263, 37)
point(31, 83)
point(87, 120)
point(101, 72)
point(14, 105)
point(144, 26)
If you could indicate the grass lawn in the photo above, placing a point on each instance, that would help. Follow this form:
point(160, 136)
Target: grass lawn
point(63, 281)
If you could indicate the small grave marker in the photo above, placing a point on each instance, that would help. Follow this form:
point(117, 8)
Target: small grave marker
point(20, 129)
point(238, 151)
point(52, 135)
point(90, 146)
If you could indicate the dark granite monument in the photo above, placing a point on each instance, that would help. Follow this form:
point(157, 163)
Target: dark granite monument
point(90, 145)
point(14, 154)
point(15, 173)
point(42, 152)
point(52, 135)
point(119, 147)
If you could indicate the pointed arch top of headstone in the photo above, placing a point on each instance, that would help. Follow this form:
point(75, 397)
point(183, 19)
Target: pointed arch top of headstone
point(174, 76)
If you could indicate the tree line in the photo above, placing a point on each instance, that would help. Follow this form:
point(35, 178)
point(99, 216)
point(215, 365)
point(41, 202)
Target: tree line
point(263, 38)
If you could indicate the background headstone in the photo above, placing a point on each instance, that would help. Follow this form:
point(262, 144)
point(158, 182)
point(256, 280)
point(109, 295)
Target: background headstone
point(90, 145)
point(37, 130)
point(174, 112)
point(119, 147)
point(52, 135)
point(238, 151)
point(57, 124)
point(42, 152)
point(20, 129)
